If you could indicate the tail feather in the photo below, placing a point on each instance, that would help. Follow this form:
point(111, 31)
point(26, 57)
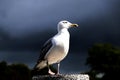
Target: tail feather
point(40, 65)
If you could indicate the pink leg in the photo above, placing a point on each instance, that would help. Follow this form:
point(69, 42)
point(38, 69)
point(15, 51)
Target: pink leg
point(49, 71)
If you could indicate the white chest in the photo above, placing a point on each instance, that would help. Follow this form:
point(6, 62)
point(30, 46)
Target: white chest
point(62, 41)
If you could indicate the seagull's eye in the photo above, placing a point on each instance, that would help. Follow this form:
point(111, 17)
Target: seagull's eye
point(64, 22)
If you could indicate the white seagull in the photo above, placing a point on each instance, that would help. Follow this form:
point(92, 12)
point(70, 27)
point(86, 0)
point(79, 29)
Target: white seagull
point(56, 48)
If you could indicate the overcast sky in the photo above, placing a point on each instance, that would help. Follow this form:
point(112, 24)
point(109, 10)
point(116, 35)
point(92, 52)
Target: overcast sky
point(22, 16)
point(24, 22)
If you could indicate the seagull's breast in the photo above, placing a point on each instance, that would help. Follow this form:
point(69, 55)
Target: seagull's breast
point(62, 41)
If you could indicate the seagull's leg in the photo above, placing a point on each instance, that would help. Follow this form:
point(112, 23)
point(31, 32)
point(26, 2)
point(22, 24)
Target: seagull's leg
point(49, 70)
point(58, 68)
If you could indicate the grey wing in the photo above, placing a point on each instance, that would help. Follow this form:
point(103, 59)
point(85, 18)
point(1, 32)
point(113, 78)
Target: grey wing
point(46, 47)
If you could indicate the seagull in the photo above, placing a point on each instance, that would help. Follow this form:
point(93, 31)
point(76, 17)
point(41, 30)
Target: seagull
point(56, 48)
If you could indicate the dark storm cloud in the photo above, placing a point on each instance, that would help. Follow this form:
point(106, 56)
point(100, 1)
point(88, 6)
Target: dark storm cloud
point(26, 57)
point(98, 19)
point(31, 42)
point(24, 16)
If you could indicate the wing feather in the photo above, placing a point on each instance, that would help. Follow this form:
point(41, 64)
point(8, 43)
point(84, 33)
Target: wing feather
point(46, 47)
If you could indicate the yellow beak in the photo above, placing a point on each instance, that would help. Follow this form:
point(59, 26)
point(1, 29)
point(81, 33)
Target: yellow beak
point(74, 25)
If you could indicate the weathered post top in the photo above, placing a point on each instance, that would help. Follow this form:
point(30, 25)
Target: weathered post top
point(62, 77)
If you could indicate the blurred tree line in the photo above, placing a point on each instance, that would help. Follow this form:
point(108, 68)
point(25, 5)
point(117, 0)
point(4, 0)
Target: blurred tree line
point(14, 72)
point(20, 71)
point(104, 62)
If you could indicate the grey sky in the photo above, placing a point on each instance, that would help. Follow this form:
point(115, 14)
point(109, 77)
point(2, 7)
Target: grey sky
point(22, 16)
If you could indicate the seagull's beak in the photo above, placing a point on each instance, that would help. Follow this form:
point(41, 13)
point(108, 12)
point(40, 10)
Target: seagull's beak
point(74, 25)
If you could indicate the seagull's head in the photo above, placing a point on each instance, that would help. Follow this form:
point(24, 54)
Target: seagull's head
point(66, 24)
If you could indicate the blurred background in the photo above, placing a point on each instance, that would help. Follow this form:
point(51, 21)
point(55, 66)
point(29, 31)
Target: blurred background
point(26, 24)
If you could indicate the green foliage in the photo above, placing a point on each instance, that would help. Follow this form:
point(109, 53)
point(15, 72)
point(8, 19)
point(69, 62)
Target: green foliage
point(104, 58)
point(14, 72)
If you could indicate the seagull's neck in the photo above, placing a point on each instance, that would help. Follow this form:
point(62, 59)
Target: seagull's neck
point(63, 37)
point(63, 30)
